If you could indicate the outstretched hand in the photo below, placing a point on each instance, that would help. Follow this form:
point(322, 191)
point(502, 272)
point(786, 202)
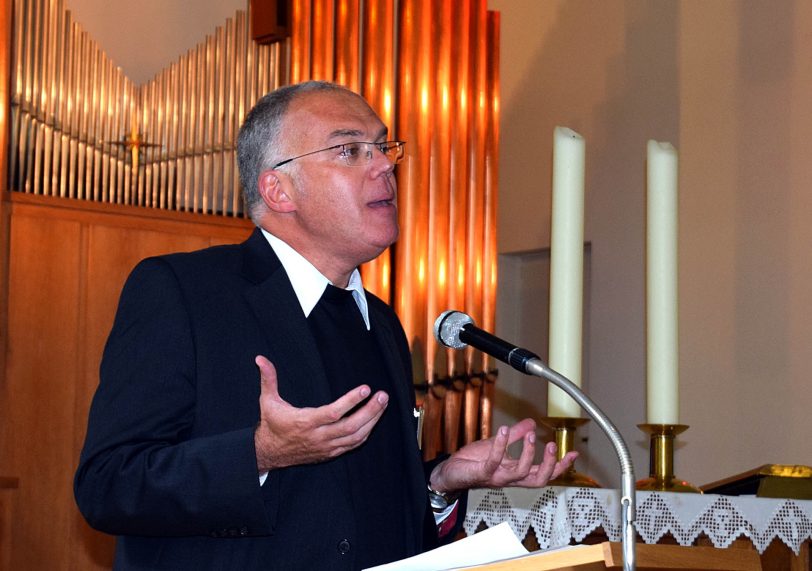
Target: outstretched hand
point(288, 436)
point(487, 464)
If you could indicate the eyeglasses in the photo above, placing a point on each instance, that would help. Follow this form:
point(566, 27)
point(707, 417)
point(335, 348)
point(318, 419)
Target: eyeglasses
point(358, 153)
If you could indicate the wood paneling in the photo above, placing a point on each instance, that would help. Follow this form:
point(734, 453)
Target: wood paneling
point(67, 267)
point(8, 490)
point(5, 51)
point(8, 484)
point(41, 378)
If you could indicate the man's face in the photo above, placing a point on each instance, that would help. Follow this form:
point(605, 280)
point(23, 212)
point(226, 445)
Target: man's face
point(345, 213)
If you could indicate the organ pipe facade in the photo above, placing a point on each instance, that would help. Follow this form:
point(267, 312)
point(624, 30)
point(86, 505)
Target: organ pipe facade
point(80, 129)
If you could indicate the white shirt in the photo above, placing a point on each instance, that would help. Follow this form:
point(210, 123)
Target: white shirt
point(309, 283)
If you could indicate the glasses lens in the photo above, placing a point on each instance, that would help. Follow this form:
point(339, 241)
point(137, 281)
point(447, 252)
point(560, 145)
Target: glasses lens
point(393, 151)
point(356, 153)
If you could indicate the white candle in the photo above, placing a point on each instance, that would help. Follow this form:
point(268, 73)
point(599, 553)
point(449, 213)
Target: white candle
point(566, 268)
point(662, 387)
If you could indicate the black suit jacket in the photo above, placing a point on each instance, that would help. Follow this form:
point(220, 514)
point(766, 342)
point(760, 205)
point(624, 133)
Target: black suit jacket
point(169, 463)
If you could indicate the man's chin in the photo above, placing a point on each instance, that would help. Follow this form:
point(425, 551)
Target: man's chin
point(380, 248)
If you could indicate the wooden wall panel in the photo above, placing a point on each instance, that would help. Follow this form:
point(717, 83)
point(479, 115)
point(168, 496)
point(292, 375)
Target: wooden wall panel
point(41, 378)
point(8, 482)
point(8, 493)
point(5, 53)
point(68, 265)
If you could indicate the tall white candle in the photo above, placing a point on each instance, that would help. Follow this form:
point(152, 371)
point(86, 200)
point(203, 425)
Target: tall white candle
point(566, 267)
point(662, 386)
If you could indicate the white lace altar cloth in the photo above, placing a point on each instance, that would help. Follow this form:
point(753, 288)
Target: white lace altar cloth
point(558, 514)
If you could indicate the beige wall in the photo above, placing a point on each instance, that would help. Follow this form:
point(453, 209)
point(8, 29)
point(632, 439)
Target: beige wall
point(140, 42)
point(729, 84)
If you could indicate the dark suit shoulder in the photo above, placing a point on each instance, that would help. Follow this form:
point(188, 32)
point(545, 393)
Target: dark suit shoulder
point(221, 256)
point(253, 260)
point(195, 273)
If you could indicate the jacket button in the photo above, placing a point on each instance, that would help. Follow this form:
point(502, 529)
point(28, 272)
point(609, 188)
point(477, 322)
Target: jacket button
point(343, 547)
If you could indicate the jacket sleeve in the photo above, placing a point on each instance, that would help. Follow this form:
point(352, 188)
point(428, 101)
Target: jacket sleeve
point(145, 468)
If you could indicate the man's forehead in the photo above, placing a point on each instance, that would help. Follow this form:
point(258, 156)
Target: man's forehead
point(334, 115)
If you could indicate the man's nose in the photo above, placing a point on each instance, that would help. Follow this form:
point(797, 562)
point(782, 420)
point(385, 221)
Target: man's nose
point(381, 163)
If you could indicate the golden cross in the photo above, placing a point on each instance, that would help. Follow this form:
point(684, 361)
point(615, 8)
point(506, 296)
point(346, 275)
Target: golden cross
point(133, 142)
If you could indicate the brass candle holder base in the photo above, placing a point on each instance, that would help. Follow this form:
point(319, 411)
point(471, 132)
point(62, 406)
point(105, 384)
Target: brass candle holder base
point(564, 429)
point(661, 460)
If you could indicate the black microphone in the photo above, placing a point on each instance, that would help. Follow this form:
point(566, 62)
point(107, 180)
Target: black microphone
point(456, 330)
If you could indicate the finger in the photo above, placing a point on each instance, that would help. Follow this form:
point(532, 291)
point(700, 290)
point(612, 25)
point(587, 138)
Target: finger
point(542, 473)
point(365, 417)
point(354, 430)
point(498, 451)
point(564, 464)
point(521, 429)
point(267, 377)
point(526, 457)
point(338, 425)
point(335, 411)
point(549, 462)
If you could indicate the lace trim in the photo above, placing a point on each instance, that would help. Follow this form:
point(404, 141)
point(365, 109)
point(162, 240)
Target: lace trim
point(558, 515)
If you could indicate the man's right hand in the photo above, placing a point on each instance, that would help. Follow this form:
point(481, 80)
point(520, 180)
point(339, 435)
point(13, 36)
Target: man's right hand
point(288, 436)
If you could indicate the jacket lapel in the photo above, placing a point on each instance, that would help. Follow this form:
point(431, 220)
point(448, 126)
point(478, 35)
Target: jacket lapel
point(405, 399)
point(291, 347)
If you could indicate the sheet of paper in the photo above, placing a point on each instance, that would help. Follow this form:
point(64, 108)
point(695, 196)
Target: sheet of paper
point(488, 545)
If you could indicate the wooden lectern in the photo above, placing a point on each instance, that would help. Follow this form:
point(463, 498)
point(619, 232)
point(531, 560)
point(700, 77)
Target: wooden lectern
point(609, 555)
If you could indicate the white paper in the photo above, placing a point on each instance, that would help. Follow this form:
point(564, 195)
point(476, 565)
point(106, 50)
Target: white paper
point(488, 545)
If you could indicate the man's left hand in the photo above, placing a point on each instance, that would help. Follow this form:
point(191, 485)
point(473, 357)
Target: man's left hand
point(487, 464)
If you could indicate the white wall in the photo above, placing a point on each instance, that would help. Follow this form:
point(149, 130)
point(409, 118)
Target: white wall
point(746, 267)
point(728, 83)
point(145, 36)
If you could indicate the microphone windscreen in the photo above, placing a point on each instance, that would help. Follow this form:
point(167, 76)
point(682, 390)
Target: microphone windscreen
point(447, 328)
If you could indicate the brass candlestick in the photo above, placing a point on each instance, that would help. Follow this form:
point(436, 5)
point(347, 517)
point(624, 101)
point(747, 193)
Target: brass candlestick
point(661, 460)
point(564, 429)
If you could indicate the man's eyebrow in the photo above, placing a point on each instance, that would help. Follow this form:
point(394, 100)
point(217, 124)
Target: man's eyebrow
point(345, 133)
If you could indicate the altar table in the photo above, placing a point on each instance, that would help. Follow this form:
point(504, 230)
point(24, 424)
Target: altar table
point(558, 516)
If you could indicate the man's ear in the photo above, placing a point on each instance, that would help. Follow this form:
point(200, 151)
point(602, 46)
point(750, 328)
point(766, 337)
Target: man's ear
point(273, 193)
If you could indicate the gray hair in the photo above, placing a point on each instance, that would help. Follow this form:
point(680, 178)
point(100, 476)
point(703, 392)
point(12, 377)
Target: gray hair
point(260, 137)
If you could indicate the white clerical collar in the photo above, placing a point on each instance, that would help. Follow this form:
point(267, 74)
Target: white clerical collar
point(309, 283)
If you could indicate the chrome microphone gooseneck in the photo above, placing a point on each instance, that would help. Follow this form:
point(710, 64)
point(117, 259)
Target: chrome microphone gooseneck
point(627, 497)
point(456, 330)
